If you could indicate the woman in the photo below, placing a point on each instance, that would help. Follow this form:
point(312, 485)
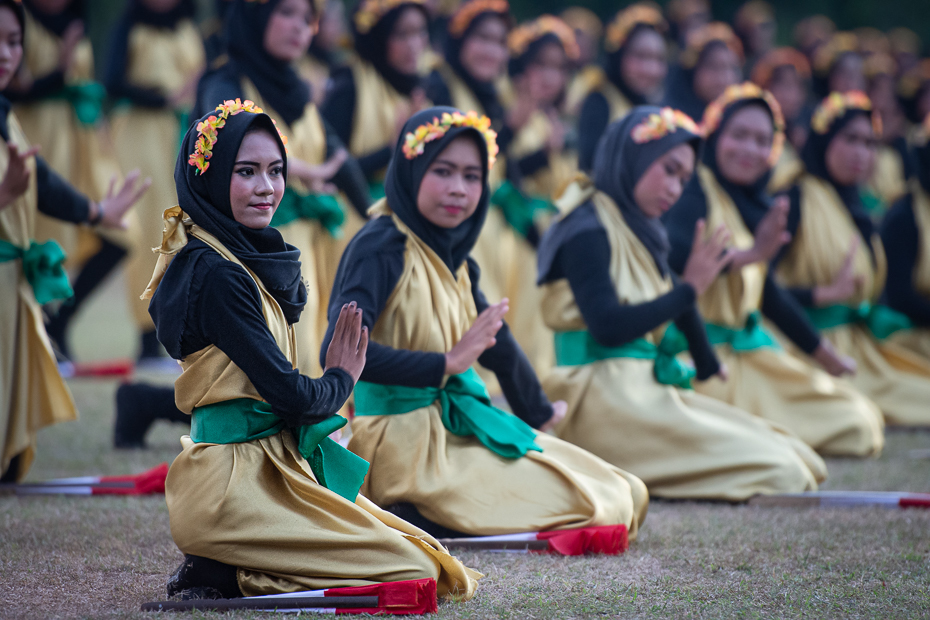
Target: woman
point(264, 40)
point(326, 51)
point(634, 73)
point(835, 263)
point(440, 453)
point(260, 500)
point(32, 393)
point(156, 58)
point(370, 99)
point(838, 65)
point(744, 130)
point(711, 61)
point(609, 293)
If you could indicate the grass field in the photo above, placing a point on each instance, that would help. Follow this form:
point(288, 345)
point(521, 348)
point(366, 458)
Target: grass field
point(99, 557)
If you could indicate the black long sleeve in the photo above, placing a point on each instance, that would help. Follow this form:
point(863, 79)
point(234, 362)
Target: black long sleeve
point(509, 363)
point(41, 88)
point(57, 198)
point(902, 246)
point(338, 107)
point(213, 89)
point(349, 179)
point(783, 309)
point(592, 121)
point(436, 89)
point(533, 163)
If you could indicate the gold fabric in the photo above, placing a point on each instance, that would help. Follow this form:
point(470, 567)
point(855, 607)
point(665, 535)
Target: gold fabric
point(257, 505)
point(682, 444)
point(148, 139)
point(787, 169)
point(888, 180)
point(827, 413)
point(897, 380)
point(455, 481)
point(593, 79)
point(32, 393)
point(376, 103)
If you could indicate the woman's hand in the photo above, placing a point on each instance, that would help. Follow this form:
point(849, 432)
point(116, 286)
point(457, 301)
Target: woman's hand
point(844, 285)
point(69, 41)
point(109, 212)
point(556, 141)
point(831, 361)
point(316, 178)
point(479, 338)
point(349, 345)
point(16, 180)
point(559, 409)
point(707, 259)
point(771, 235)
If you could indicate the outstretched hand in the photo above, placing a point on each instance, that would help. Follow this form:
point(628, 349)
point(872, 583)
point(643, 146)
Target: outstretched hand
point(118, 202)
point(707, 258)
point(479, 338)
point(349, 345)
point(16, 180)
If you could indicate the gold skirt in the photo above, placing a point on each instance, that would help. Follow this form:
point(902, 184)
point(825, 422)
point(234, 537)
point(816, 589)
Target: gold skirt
point(683, 445)
point(828, 414)
point(915, 340)
point(257, 506)
point(458, 483)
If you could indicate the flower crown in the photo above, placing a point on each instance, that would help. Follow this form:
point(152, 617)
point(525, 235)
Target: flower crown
point(740, 92)
point(619, 29)
point(714, 31)
point(415, 141)
point(780, 57)
point(370, 12)
point(470, 10)
point(837, 104)
point(524, 35)
point(658, 125)
point(209, 131)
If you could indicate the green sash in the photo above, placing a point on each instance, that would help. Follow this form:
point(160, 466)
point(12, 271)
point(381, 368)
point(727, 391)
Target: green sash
point(43, 268)
point(245, 419)
point(579, 347)
point(519, 211)
point(466, 411)
point(376, 189)
point(753, 336)
point(86, 99)
point(322, 208)
point(882, 321)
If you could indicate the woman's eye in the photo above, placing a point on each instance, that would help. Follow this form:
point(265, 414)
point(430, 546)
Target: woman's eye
point(277, 170)
point(473, 178)
point(245, 172)
point(442, 172)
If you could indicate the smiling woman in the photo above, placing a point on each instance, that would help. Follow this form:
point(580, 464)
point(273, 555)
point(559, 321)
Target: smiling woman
point(257, 183)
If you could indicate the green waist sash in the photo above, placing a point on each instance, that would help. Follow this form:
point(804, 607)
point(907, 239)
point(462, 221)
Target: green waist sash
point(43, 268)
point(245, 419)
point(753, 336)
point(519, 211)
point(376, 190)
point(86, 99)
point(321, 208)
point(466, 411)
point(882, 321)
point(579, 347)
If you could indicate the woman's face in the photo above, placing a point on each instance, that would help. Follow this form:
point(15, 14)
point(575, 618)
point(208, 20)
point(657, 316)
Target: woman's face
point(661, 185)
point(548, 73)
point(257, 183)
point(848, 74)
point(484, 52)
point(744, 145)
point(289, 30)
point(407, 41)
point(789, 90)
point(11, 46)
point(451, 188)
point(644, 64)
point(718, 69)
point(332, 26)
point(851, 153)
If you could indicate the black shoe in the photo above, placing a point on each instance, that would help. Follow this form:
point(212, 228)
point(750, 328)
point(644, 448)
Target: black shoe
point(138, 405)
point(202, 578)
point(410, 514)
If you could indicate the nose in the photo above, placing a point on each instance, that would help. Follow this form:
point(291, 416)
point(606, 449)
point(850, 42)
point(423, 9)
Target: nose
point(457, 186)
point(264, 186)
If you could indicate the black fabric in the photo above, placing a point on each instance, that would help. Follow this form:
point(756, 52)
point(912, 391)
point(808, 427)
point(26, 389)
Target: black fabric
point(205, 198)
point(921, 160)
point(56, 23)
point(276, 80)
point(533, 163)
point(592, 122)
point(901, 239)
point(613, 65)
point(41, 88)
point(519, 64)
point(485, 92)
point(372, 47)
point(57, 198)
point(680, 92)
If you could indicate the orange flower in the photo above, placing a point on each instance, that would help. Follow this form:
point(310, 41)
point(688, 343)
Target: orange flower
point(209, 128)
point(656, 126)
point(836, 105)
point(415, 141)
point(739, 92)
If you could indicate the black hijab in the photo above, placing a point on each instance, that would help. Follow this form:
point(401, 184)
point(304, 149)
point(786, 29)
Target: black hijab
point(276, 80)
point(5, 105)
point(372, 47)
point(614, 61)
point(485, 92)
point(205, 198)
point(922, 160)
point(138, 13)
point(681, 95)
point(519, 64)
point(402, 184)
point(56, 23)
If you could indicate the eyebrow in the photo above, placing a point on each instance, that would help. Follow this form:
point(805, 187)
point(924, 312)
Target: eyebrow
point(255, 163)
point(455, 165)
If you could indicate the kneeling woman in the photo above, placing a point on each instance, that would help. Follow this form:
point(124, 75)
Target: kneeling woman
point(260, 499)
point(608, 294)
point(744, 130)
point(439, 451)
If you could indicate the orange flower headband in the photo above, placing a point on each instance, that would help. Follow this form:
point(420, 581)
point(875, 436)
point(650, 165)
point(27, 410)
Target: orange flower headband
point(209, 131)
point(656, 126)
point(837, 104)
point(780, 57)
point(522, 36)
point(415, 141)
point(739, 92)
point(371, 11)
point(470, 10)
point(714, 31)
point(619, 29)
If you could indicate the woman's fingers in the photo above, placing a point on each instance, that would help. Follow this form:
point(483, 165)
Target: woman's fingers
point(363, 342)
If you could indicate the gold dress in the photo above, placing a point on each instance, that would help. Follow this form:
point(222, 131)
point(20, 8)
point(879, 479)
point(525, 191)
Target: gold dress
point(257, 505)
point(827, 413)
point(148, 139)
point(917, 339)
point(896, 379)
point(456, 481)
point(32, 393)
point(787, 169)
point(680, 443)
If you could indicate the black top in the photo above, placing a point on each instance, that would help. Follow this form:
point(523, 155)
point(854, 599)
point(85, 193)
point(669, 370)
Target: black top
point(592, 121)
point(224, 84)
point(369, 272)
point(902, 248)
point(584, 259)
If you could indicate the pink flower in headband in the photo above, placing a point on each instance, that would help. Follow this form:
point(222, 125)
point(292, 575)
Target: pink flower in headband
point(209, 128)
point(415, 141)
point(658, 125)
